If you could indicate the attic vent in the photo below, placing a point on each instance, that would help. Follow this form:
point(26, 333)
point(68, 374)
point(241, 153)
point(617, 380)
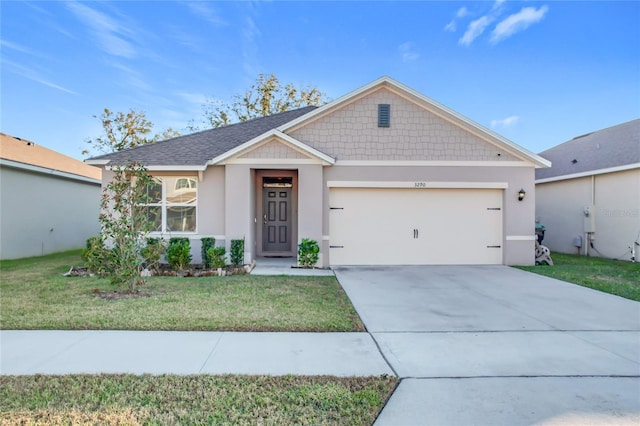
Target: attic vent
point(384, 115)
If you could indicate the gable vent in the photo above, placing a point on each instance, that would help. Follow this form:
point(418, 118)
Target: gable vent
point(384, 115)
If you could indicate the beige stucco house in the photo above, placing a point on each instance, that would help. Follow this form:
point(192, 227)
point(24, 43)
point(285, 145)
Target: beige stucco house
point(49, 202)
point(382, 175)
point(589, 201)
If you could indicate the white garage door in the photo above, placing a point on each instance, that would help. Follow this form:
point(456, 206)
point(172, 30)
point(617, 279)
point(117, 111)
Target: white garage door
point(383, 226)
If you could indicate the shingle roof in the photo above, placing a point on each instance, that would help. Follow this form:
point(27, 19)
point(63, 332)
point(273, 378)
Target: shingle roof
point(198, 148)
point(28, 153)
point(603, 149)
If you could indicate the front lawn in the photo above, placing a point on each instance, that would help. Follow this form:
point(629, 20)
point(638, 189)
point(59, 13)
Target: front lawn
point(35, 295)
point(618, 277)
point(170, 399)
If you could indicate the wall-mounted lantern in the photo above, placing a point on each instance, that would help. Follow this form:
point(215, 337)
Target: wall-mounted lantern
point(521, 194)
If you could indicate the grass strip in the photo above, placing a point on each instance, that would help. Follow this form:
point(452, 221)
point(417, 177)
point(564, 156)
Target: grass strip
point(618, 277)
point(203, 399)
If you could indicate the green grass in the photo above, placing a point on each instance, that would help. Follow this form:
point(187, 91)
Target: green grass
point(170, 399)
point(621, 278)
point(35, 295)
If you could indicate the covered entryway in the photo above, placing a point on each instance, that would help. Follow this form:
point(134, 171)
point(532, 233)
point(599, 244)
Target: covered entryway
point(276, 207)
point(415, 226)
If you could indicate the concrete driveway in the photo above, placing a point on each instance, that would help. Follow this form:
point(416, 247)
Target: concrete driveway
point(496, 345)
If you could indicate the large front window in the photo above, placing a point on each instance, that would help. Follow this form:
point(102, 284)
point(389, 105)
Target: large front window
point(172, 204)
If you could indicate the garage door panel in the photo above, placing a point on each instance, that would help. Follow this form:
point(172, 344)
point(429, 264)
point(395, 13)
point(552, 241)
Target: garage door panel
point(415, 226)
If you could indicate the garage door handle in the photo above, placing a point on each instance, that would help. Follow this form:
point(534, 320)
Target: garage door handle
point(493, 246)
point(416, 234)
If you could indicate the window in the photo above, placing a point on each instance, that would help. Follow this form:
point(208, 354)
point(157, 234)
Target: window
point(172, 204)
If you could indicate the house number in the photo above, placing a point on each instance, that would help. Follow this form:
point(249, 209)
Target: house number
point(420, 184)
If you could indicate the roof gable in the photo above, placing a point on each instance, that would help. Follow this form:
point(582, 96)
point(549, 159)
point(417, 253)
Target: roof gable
point(499, 144)
point(273, 146)
point(352, 133)
point(28, 153)
point(616, 147)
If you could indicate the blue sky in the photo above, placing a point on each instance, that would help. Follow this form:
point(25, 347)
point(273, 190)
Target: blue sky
point(539, 73)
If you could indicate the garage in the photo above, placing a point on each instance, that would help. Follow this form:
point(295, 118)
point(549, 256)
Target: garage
point(415, 226)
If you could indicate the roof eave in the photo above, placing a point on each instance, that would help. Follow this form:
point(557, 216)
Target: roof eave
point(95, 162)
point(587, 173)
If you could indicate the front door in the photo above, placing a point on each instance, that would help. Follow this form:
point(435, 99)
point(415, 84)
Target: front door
point(276, 219)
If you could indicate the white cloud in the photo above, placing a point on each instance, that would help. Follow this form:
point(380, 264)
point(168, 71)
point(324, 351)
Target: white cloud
point(34, 75)
point(452, 26)
point(462, 12)
point(202, 10)
point(111, 35)
point(475, 29)
point(505, 122)
point(408, 52)
point(198, 99)
point(517, 22)
point(497, 5)
point(20, 48)
point(250, 36)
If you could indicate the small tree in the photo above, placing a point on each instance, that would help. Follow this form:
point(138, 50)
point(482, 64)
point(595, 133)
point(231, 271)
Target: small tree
point(124, 223)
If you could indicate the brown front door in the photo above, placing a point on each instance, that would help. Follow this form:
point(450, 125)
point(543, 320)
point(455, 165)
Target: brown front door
point(276, 220)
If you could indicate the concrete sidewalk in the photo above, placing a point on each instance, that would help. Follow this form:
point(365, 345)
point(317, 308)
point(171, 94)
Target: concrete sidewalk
point(175, 352)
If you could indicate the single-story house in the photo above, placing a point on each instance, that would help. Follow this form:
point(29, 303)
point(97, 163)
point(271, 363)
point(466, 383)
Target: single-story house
point(589, 201)
point(382, 175)
point(49, 202)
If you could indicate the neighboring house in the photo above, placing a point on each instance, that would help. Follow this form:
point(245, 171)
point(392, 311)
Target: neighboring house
point(48, 202)
point(589, 201)
point(382, 175)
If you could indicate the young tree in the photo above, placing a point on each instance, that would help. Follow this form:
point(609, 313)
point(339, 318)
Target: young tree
point(123, 131)
point(124, 224)
point(265, 97)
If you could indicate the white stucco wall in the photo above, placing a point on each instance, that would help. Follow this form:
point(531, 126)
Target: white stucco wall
point(616, 213)
point(43, 213)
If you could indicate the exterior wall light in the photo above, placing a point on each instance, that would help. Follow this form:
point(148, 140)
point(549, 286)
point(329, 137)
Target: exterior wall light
point(521, 194)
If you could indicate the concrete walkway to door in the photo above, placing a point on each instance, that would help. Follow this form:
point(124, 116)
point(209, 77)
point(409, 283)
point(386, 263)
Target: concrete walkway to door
point(495, 345)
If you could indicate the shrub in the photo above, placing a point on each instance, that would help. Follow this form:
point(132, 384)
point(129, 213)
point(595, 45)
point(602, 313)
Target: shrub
point(179, 253)
point(308, 253)
point(153, 251)
point(207, 243)
point(237, 252)
point(216, 256)
point(95, 255)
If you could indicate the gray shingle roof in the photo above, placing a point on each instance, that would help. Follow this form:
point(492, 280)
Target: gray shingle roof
point(611, 147)
point(198, 148)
